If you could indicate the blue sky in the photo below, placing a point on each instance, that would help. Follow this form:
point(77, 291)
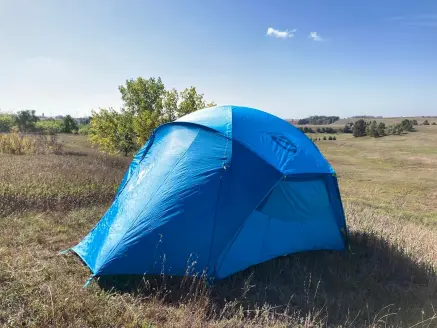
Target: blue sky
point(290, 58)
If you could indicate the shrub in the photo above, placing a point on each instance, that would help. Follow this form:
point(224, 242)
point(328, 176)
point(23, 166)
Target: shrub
point(49, 126)
point(69, 125)
point(84, 129)
point(324, 138)
point(18, 144)
point(6, 122)
point(330, 138)
point(359, 129)
point(381, 129)
point(407, 125)
point(433, 123)
point(425, 122)
point(334, 138)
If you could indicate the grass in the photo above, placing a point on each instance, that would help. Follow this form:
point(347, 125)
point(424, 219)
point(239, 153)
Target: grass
point(389, 120)
point(49, 202)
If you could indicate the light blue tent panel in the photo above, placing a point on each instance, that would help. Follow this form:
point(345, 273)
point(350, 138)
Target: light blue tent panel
point(217, 191)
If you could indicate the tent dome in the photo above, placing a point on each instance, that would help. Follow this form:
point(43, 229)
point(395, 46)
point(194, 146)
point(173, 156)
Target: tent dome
point(217, 191)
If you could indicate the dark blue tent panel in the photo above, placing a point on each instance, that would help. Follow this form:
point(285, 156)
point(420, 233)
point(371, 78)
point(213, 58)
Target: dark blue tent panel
point(217, 191)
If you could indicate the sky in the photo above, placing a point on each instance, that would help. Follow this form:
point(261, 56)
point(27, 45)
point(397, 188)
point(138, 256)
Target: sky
point(290, 58)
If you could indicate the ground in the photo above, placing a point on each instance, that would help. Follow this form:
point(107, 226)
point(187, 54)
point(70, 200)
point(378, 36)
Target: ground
point(389, 189)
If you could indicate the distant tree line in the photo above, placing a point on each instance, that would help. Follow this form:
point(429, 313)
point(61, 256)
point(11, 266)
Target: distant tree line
point(318, 120)
point(328, 129)
point(26, 121)
point(324, 138)
point(362, 128)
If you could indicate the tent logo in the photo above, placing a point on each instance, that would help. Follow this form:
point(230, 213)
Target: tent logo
point(285, 144)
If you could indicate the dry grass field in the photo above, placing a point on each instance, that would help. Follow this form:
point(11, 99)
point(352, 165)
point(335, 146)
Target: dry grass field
point(389, 188)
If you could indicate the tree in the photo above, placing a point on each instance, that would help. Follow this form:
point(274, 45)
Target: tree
point(190, 101)
point(414, 122)
point(25, 120)
point(69, 124)
point(144, 123)
point(142, 95)
point(143, 103)
point(425, 122)
point(381, 129)
point(396, 129)
point(318, 120)
point(407, 125)
point(373, 130)
point(359, 129)
point(146, 105)
point(6, 122)
point(170, 105)
point(112, 132)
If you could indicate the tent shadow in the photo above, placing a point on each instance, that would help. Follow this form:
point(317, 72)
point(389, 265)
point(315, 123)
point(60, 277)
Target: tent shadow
point(376, 280)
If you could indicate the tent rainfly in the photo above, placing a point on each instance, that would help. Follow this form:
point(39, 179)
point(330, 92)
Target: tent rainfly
point(215, 192)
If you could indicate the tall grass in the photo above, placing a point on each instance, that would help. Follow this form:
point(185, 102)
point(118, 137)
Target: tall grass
point(19, 144)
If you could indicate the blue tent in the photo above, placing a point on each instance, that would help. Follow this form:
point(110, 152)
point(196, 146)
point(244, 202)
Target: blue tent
point(217, 191)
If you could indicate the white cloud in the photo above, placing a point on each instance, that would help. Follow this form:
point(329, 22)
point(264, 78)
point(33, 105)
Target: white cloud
point(280, 34)
point(315, 36)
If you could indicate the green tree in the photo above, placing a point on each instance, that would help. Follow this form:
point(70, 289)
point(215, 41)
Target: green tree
point(143, 101)
point(146, 105)
point(191, 101)
point(25, 120)
point(69, 124)
point(381, 129)
point(144, 123)
point(372, 129)
point(170, 105)
point(6, 122)
point(347, 129)
point(141, 95)
point(407, 125)
point(425, 122)
point(359, 129)
point(112, 132)
point(397, 129)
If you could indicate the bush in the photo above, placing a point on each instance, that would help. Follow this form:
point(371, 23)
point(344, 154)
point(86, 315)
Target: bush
point(69, 125)
point(407, 125)
point(359, 129)
point(425, 122)
point(330, 138)
point(433, 123)
point(6, 122)
point(49, 126)
point(330, 130)
point(324, 138)
point(334, 138)
point(18, 144)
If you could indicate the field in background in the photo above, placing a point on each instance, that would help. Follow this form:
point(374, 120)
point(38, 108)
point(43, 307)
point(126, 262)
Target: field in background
point(389, 120)
point(389, 188)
